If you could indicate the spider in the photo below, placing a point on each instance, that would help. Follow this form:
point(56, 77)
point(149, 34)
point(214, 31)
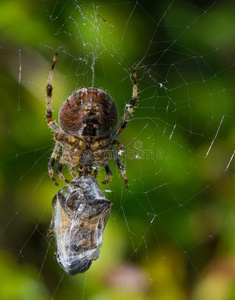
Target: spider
point(88, 130)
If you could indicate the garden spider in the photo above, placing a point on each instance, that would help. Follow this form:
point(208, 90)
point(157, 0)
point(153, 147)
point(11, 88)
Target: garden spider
point(87, 132)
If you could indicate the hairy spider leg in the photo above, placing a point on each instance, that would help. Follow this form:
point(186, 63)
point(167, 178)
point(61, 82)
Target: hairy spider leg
point(72, 172)
point(120, 166)
point(109, 174)
point(130, 108)
point(119, 144)
point(123, 124)
point(95, 172)
point(51, 123)
point(52, 160)
point(59, 173)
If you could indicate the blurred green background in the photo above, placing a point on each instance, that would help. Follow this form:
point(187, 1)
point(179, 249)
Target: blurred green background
point(171, 235)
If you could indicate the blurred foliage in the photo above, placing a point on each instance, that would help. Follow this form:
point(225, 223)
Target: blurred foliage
point(171, 236)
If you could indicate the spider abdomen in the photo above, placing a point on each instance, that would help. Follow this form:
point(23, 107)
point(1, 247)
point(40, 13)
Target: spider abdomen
point(89, 112)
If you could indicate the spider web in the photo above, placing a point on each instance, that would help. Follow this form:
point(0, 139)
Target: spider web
point(171, 234)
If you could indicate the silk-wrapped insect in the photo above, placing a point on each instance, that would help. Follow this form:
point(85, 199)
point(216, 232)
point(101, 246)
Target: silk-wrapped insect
point(80, 213)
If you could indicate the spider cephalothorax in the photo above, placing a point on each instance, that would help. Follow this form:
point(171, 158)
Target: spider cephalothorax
point(88, 129)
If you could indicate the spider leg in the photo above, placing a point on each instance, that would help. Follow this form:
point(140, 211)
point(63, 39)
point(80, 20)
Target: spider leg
point(95, 173)
point(119, 144)
point(130, 108)
point(109, 174)
point(60, 175)
point(51, 123)
point(52, 162)
point(121, 167)
point(73, 173)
